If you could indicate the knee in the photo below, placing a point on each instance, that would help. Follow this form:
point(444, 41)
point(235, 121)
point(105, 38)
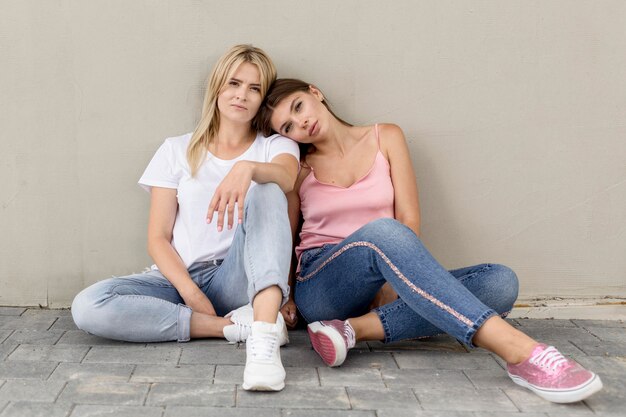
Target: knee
point(507, 285)
point(266, 196)
point(82, 310)
point(387, 229)
point(87, 308)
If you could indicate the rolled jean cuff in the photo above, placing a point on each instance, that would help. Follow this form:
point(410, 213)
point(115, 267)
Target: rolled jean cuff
point(383, 321)
point(471, 331)
point(184, 323)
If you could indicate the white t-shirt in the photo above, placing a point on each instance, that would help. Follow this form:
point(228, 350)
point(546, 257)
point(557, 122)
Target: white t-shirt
point(193, 238)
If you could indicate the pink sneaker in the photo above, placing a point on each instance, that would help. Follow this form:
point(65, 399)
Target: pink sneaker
point(331, 340)
point(554, 377)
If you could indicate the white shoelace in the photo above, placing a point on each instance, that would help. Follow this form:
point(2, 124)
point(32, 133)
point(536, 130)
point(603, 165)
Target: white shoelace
point(243, 330)
point(549, 358)
point(348, 331)
point(262, 346)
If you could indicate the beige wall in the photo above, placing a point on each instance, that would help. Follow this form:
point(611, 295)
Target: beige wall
point(515, 112)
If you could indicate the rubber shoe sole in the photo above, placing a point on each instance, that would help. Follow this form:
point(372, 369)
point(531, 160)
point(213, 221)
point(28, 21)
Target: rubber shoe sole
point(562, 396)
point(263, 386)
point(328, 343)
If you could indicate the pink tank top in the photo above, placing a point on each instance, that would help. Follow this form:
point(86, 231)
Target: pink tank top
point(331, 212)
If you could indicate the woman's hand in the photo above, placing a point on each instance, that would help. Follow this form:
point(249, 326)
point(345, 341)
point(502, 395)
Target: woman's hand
point(232, 190)
point(199, 302)
point(289, 314)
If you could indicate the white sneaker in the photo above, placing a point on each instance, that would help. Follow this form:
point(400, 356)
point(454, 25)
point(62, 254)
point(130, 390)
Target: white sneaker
point(242, 319)
point(237, 332)
point(264, 370)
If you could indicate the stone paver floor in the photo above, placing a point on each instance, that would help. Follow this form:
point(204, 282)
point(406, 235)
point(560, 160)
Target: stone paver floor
point(49, 368)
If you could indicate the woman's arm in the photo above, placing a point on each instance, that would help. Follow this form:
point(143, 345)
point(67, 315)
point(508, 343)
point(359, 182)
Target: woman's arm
point(394, 146)
point(163, 207)
point(282, 170)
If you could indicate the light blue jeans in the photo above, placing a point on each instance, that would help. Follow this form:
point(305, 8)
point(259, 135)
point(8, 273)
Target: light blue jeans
point(147, 308)
point(340, 281)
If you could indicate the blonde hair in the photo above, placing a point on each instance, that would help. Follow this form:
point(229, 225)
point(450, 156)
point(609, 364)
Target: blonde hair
point(210, 119)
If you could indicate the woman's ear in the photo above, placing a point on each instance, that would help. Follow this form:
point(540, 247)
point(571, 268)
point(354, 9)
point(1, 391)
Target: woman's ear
point(316, 92)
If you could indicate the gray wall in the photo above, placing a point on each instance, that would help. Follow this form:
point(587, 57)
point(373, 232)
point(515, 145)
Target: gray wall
point(515, 114)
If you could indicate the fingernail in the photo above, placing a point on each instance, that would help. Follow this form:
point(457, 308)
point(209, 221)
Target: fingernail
point(219, 228)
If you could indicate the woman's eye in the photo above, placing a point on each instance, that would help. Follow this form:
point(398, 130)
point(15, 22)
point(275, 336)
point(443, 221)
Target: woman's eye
point(233, 83)
point(298, 106)
point(288, 128)
point(257, 89)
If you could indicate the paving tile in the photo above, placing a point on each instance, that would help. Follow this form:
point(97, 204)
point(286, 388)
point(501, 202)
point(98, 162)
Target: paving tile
point(66, 353)
point(4, 334)
point(609, 334)
point(300, 357)
point(445, 360)
point(191, 411)
point(192, 394)
point(601, 348)
point(544, 323)
point(371, 398)
point(35, 337)
point(501, 414)
point(26, 369)
point(566, 339)
point(425, 378)
point(233, 374)
point(603, 365)
point(376, 360)
point(349, 377)
point(600, 323)
point(440, 343)
point(216, 355)
point(527, 401)
point(134, 354)
point(32, 409)
point(92, 372)
point(488, 378)
point(464, 400)
point(31, 323)
point(113, 393)
point(612, 397)
point(64, 323)
point(6, 349)
point(31, 390)
point(78, 337)
point(296, 397)
point(84, 410)
point(11, 311)
point(47, 312)
point(410, 412)
point(328, 413)
point(173, 373)
point(299, 338)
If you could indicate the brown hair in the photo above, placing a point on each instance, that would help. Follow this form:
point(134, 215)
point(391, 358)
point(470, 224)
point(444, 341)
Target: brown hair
point(280, 90)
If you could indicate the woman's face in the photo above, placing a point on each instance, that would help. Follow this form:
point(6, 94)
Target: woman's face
point(240, 98)
point(301, 116)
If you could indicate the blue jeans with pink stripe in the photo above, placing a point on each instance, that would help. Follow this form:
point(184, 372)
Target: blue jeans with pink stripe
point(340, 281)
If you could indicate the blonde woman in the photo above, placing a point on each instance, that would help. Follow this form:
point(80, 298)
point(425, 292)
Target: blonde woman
point(208, 264)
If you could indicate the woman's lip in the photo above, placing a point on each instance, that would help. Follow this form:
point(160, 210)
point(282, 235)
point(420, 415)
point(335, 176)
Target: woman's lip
point(312, 129)
point(239, 107)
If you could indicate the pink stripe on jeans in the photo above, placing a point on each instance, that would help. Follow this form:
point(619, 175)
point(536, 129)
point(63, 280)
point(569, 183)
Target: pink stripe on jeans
point(400, 275)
